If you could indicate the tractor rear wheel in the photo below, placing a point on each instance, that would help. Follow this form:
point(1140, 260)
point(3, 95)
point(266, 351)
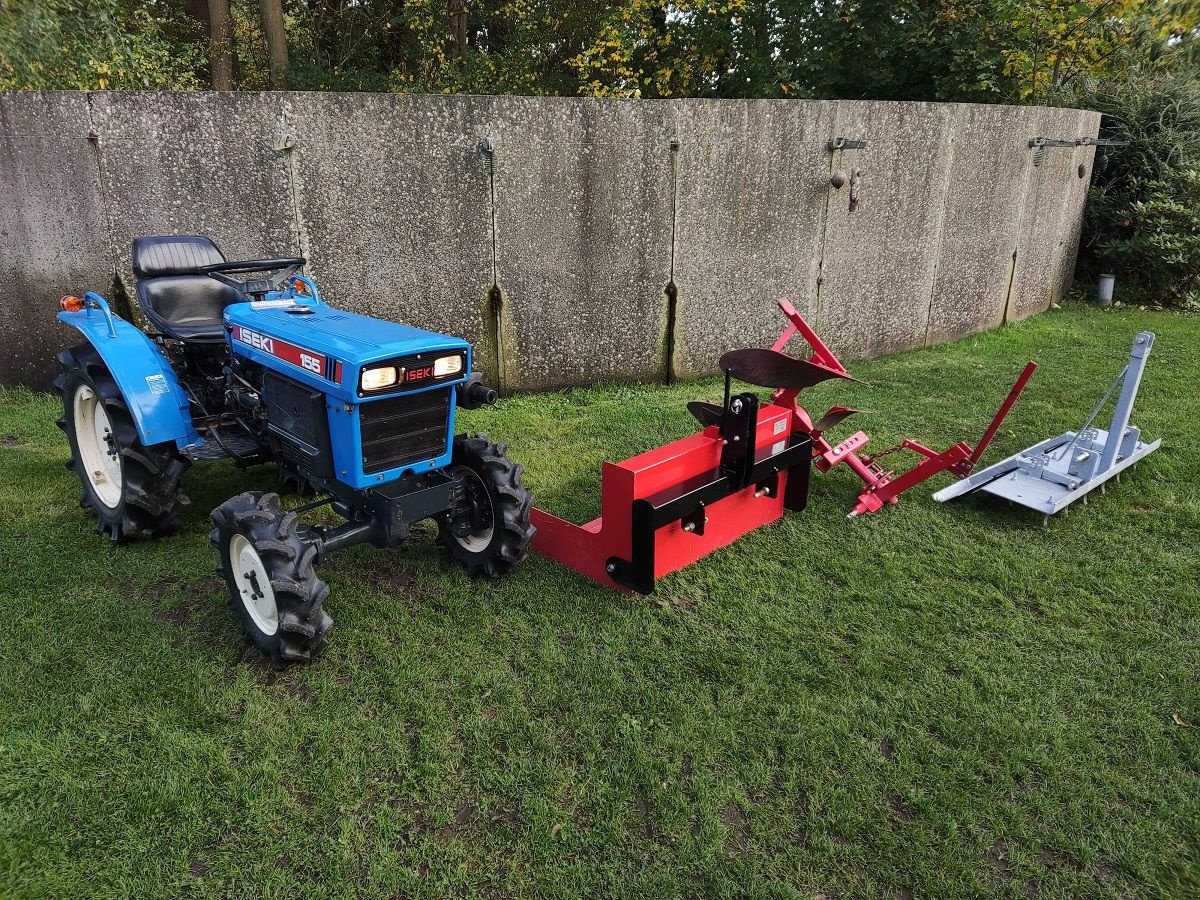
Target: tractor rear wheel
point(273, 588)
point(132, 488)
point(499, 532)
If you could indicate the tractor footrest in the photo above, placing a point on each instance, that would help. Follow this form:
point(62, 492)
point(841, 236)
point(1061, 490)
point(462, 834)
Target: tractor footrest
point(222, 444)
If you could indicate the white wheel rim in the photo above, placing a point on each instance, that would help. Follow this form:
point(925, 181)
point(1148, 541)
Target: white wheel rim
point(476, 541)
point(97, 447)
point(253, 584)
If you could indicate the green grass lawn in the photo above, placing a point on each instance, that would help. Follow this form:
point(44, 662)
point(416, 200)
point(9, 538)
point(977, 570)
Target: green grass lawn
point(935, 701)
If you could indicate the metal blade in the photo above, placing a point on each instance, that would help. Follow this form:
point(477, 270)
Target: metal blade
point(835, 415)
point(705, 413)
point(771, 369)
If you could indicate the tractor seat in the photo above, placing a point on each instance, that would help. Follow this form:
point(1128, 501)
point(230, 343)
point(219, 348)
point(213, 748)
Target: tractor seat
point(176, 298)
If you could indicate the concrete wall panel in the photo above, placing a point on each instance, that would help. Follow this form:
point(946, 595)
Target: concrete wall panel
point(981, 221)
point(583, 239)
point(1045, 232)
point(586, 217)
point(879, 263)
point(53, 239)
point(394, 207)
point(196, 163)
point(753, 185)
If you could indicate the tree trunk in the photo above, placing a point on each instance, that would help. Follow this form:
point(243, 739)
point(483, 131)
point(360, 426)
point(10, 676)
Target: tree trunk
point(458, 27)
point(220, 45)
point(277, 49)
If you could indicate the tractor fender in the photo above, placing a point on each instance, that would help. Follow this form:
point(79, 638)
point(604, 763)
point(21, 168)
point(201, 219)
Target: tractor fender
point(156, 400)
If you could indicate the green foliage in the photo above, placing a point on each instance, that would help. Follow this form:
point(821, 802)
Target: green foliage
point(1143, 215)
point(977, 50)
point(980, 50)
point(97, 44)
point(512, 46)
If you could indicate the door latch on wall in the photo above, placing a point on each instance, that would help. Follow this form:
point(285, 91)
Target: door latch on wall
point(284, 139)
point(1077, 142)
point(839, 180)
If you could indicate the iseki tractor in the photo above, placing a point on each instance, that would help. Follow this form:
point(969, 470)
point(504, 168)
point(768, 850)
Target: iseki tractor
point(244, 361)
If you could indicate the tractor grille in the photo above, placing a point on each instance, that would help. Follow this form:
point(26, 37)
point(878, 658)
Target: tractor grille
point(404, 430)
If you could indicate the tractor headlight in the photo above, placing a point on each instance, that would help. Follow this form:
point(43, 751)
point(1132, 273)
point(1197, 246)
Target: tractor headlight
point(378, 378)
point(447, 365)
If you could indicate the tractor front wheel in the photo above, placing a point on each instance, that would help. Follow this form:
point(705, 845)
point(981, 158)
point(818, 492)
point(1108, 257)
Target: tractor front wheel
point(496, 536)
point(268, 567)
point(133, 488)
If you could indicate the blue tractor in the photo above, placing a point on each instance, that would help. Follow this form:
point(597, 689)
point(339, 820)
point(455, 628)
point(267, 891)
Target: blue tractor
point(244, 361)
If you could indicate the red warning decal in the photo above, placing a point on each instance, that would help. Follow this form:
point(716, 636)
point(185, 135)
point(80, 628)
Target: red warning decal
point(316, 363)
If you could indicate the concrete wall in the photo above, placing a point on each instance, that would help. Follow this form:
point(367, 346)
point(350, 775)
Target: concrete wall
point(595, 240)
point(53, 230)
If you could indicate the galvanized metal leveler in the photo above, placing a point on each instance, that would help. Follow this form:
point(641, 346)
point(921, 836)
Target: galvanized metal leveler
point(1052, 475)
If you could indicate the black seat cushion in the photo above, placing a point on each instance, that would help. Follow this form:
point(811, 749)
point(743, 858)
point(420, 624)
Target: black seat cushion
point(178, 300)
point(187, 307)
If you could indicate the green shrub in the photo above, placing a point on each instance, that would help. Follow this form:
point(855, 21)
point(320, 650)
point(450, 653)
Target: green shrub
point(97, 44)
point(1142, 221)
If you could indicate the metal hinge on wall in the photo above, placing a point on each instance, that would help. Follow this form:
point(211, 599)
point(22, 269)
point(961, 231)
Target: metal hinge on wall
point(841, 143)
point(1039, 144)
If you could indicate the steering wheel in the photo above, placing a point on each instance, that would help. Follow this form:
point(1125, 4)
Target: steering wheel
point(254, 287)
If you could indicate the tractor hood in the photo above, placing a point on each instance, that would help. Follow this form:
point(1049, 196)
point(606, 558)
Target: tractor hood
point(334, 332)
point(327, 345)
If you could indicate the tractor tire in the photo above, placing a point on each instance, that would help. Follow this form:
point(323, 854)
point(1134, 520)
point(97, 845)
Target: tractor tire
point(273, 587)
point(500, 540)
point(133, 489)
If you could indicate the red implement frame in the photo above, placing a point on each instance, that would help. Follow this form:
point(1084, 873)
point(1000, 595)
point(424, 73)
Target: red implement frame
point(883, 487)
point(669, 507)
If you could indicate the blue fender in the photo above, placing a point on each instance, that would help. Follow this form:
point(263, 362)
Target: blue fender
point(156, 400)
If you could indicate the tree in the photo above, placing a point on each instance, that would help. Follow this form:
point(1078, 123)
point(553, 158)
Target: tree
point(981, 50)
point(220, 45)
point(458, 27)
point(276, 37)
point(975, 50)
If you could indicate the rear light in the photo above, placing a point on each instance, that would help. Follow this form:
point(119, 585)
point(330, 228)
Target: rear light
point(71, 303)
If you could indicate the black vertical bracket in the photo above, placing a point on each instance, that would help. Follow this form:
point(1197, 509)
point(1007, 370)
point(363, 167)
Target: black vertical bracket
point(739, 430)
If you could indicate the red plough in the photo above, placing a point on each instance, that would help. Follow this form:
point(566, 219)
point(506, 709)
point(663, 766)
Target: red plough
point(882, 486)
